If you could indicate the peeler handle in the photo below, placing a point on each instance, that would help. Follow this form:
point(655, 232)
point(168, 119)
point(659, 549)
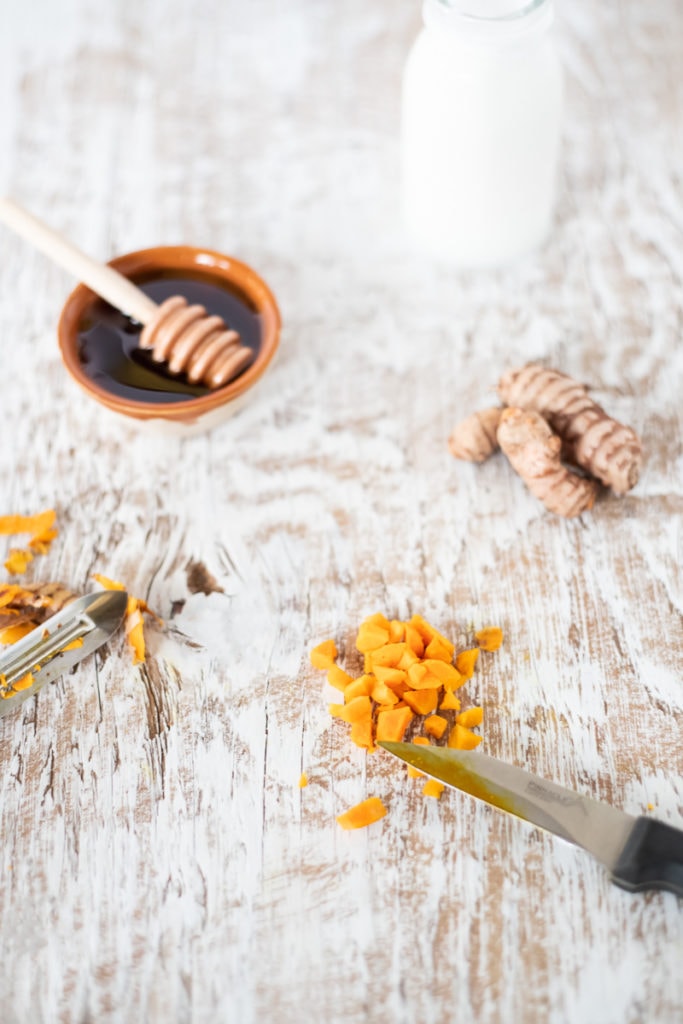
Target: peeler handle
point(652, 858)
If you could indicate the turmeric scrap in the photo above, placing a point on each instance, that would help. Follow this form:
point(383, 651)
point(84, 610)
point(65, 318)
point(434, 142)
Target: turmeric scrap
point(534, 451)
point(489, 639)
point(74, 645)
point(433, 787)
point(474, 438)
point(324, 655)
point(32, 603)
point(602, 446)
point(10, 634)
point(41, 532)
point(135, 609)
point(24, 683)
point(364, 813)
point(18, 560)
point(303, 780)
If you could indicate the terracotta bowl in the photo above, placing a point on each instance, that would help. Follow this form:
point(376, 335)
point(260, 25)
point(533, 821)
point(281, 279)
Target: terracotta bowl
point(191, 415)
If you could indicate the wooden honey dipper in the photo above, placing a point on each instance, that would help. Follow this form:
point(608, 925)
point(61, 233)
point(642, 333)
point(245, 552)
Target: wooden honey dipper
point(201, 347)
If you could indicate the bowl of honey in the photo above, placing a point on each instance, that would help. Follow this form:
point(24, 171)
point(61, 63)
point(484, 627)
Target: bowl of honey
point(100, 345)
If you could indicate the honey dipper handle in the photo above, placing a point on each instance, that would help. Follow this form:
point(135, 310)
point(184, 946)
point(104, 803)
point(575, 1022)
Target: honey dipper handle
point(105, 281)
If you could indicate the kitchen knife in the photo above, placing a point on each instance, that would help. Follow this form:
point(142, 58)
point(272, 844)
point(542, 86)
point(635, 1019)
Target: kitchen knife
point(45, 653)
point(639, 853)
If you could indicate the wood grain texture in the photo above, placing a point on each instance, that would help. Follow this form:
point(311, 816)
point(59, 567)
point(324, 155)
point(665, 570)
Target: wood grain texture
point(158, 861)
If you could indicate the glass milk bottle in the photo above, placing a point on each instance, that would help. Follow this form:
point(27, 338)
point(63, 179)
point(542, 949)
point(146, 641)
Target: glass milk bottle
point(481, 119)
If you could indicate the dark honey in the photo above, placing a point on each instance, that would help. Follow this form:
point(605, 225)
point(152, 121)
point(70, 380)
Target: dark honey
point(108, 340)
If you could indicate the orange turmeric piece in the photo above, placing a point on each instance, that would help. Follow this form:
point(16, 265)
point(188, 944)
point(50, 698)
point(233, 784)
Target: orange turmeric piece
point(74, 645)
point(363, 734)
point(361, 687)
point(409, 671)
point(422, 701)
point(435, 725)
point(489, 639)
point(371, 635)
point(383, 694)
point(356, 709)
point(303, 780)
point(365, 813)
point(24, 683)
point(392, 725)
point(9, 592)
point(466, 660)
point(338, 678)
point(17, 561)
point(470, 718)
point(324, 655)
point(461, 738)
point(433, 787)
point(450, 702)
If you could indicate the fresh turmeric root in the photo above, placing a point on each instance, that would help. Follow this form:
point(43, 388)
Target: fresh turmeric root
point(603, 447)
point(535, 453)
point(474, 439)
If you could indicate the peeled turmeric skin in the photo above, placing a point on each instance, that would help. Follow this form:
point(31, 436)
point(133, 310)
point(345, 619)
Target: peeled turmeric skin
point(474, 438)
point(31, 603)
point(593, 440)
point(534, 452)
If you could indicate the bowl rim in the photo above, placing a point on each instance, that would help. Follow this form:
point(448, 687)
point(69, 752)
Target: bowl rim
point(175, 257)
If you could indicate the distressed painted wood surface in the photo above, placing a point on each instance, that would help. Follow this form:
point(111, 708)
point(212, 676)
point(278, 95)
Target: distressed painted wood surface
point(158, 860)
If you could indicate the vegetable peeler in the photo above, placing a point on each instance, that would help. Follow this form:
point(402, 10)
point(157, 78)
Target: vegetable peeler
point(59, 643)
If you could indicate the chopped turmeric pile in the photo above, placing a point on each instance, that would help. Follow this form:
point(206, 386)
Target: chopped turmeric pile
point(410, 677)
point(42, 532)
point(134, 621)
point(408, 674)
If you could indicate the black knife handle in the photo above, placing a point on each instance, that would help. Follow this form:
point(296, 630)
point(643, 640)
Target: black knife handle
point(652, 858)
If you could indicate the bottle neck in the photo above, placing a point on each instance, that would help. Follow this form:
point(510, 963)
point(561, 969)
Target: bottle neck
point(494, 23)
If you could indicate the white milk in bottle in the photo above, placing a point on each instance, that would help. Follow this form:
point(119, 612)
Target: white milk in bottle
point(481, 122)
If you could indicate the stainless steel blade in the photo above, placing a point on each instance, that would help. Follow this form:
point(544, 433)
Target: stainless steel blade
point(597, 827)
point(92, 619)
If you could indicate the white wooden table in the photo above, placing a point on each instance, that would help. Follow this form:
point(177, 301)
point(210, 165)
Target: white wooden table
point(158, 860)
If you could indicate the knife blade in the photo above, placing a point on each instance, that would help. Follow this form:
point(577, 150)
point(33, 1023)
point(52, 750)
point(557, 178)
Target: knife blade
point(44, 654)
point(639, 852)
